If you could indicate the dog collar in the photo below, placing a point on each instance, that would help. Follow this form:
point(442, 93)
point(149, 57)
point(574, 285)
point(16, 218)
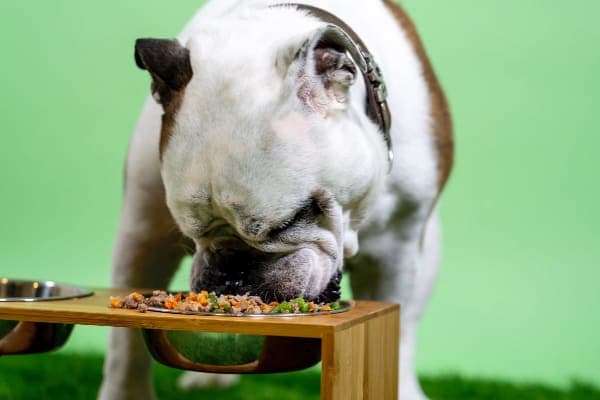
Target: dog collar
point(377, 107)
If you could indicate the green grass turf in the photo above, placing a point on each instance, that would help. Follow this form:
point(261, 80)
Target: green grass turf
point(72, 377)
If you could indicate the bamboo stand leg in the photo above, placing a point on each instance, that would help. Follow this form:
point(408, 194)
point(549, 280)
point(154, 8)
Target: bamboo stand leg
point(361, 361)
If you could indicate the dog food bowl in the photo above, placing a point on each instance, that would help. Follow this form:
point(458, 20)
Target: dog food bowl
point(231, 352)
point(22, 337)
point(235, 353)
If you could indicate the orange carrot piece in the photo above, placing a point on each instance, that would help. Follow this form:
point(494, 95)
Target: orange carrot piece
point(202, 299)
point(115, 302)
point(169, 303)
point(137, 296)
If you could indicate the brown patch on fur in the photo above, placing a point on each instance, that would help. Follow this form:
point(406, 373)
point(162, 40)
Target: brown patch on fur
point(168, 62)
point(168, 120)
point(440, 111)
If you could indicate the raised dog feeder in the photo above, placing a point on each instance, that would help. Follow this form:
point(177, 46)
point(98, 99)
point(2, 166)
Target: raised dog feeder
point(23, 337)
point(358, 348)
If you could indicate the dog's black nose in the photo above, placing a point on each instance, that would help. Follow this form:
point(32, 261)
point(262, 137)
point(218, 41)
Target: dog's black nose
point(228, 271)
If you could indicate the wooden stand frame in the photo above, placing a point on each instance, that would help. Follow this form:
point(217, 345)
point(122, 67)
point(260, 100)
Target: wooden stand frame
point(359, 348)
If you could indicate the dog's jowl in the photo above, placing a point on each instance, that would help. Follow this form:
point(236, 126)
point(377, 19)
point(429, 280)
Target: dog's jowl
point(282, 145)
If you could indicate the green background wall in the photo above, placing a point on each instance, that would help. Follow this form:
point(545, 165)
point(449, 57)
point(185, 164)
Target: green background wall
point(519, 294)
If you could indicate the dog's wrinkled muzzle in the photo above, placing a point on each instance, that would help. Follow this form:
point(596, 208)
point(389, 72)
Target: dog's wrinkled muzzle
point(305, 273)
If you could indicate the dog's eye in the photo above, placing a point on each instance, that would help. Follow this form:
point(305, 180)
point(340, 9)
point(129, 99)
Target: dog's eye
point(283, 226)
point(306, 214)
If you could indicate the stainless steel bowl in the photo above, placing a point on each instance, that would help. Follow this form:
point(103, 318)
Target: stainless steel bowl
point(22, 337)
point(234, 353)
point(231, 352)
point(22, 290)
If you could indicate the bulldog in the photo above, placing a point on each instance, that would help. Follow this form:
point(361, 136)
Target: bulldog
point(284, 144)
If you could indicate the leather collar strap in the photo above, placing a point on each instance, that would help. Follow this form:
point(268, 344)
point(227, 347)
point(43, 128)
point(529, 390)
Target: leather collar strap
point(377, 107)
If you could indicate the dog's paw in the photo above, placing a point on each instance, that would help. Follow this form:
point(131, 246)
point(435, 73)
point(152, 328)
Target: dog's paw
point(193, 380)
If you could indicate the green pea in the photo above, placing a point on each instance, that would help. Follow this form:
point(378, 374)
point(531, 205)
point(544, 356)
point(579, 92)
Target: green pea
point(300, 301)
point(335, 306)
point(304, 308)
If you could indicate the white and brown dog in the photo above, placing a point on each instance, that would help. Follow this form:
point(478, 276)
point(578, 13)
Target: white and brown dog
point(272, 161)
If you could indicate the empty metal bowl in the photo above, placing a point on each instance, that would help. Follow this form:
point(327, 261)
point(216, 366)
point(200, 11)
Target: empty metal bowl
point(234, 353)
point(22, 337)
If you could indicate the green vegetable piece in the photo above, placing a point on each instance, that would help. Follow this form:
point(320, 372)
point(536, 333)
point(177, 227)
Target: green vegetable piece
point(335, 306)
point(300, 301)
point(285, 307)
point(275, 310)
point(213, 300)
point(304, 308)
point(226, 307)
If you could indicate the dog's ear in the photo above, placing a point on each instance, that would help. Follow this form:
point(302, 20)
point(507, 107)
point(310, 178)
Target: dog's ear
point(168, 63)
point(324, 69)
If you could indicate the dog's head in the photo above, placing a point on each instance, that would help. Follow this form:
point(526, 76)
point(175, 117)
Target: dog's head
point(269, 163)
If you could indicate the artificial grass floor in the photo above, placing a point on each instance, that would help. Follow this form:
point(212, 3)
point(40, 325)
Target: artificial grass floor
point(73, 377)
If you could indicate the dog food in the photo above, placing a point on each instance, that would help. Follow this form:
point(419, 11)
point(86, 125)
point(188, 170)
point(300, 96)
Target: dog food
point(218, 304)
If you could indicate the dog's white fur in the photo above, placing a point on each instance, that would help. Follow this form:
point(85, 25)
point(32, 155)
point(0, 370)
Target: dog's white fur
point(245, 43)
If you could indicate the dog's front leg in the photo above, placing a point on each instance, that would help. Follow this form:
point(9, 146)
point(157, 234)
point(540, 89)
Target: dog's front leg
point(147, 252)
point(400, 264)
point(146, 261)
